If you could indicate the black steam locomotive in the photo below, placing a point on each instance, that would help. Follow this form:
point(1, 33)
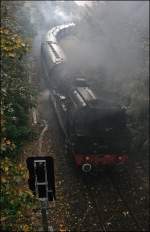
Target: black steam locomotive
point(95, 129)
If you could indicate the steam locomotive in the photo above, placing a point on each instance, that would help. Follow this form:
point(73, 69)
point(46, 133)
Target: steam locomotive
point(95, 129)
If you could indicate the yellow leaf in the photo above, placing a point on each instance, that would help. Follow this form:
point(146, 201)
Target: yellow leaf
point(11, 55)
point(29, 192)
point(3, 179)
point(26, 228)
point(23, 45)
point(8, 142)
point(6, 169)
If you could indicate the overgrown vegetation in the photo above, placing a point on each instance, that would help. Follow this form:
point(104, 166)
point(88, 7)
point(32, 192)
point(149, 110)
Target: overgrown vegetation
point(15, 88)
point(16, 200)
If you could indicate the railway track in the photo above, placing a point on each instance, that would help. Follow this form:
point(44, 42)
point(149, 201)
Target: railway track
point(128, 209)
point(115, 213)
point(138, 173)
point(134, 197)
point(81, 212)
point(144, 164)
point(95, 203)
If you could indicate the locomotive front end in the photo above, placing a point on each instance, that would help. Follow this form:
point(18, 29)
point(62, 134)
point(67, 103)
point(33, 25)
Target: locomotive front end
point(101, 138)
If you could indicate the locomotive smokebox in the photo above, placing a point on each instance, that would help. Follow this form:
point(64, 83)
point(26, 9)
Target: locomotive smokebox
point(86, 167)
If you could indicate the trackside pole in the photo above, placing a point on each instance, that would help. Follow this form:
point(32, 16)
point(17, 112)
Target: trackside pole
point(44, 212)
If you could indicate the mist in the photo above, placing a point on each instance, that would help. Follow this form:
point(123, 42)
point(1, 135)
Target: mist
point(109, 47)
point(109, 35)
point(110, 38)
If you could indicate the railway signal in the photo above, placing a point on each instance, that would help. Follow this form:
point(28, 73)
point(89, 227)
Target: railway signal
point(41, 177)
point(42, 183)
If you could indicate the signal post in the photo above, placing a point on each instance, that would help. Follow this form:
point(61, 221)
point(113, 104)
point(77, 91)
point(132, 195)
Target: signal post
point(42, 184)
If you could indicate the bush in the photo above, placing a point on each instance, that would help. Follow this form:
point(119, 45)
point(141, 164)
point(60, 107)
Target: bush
point(17, 201)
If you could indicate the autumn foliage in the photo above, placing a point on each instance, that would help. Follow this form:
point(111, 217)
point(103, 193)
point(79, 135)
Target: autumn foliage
point(17, 201)
point(15, 88)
